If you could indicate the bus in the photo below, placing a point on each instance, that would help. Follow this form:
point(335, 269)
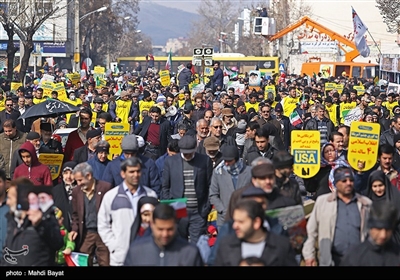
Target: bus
point(243, 63)
point(336, 69)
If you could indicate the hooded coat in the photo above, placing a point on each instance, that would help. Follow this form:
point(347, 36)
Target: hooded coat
point(391, 194)
point(37, 172)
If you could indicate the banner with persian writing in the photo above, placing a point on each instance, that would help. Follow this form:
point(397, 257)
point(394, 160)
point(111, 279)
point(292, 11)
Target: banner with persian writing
point(363, 145)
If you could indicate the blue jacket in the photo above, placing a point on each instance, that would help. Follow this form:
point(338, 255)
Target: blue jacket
point(160, 164)
point(149, 176)
point(98, 167)
point(4, 209)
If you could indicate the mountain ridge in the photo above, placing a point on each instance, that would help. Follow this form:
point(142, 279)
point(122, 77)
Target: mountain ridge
point(161, 23)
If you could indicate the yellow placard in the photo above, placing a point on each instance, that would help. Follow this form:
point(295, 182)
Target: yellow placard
point(99, 70)
point(330, 86)
point(113, 134)
point(339, 88)
point(363, 145)
point(360, 90)
point(60, 88)
point(306, 150)
point(14, 86)
point(165, 77)
point(268, 90)
point(74, 77)
point(54, 162)
point(47, 87)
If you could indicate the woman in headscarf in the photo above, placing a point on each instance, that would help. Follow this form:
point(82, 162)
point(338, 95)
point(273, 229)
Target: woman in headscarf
point(141, 225)
point(322, 182)
point(380, 189)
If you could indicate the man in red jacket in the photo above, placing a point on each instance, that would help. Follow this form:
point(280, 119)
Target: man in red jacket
point(37, 172)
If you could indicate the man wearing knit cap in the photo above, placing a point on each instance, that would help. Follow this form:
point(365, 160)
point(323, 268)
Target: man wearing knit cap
point(231, 174)
point(378, 249)
point(46, 140)
point(285, 125)
point(337, 222)
point(288, 186)
point(88, 151)
point(130, 148)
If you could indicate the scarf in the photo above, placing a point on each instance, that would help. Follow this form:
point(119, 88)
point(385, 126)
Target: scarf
point(337, 162)
point(233, 170)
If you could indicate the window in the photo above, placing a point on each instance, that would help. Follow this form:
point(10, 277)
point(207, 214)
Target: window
point(356, 72)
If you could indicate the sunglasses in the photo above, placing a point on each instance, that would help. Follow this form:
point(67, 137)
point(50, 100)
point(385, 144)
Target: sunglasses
point(9, 105)
point(265, 111)
point(217, 126)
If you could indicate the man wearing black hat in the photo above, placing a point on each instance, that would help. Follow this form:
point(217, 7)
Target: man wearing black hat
point(378, 249)
point(46, 140)
point(231, 174)
point(97, 109)
point(337, 222)
point(188, 175)
point(88, 151)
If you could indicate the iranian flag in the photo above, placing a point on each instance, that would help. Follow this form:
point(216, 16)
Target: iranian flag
point(76, 259)
point(168, 64)
point(179, 205)
point(295, 118)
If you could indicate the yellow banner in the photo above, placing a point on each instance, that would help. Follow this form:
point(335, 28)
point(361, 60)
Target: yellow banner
point(99, 70)
point(62, 93)
point(47, 87)
point(330, 86)
point(339, 88)
point(363, 145)
point(360, 90)
point(165, 78)
point(269, 89)
point(74, 77)
point(14, 86)
point(306, 150)
point(54, 162)
point(113, 134)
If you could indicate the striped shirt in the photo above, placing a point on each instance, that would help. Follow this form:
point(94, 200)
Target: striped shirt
point(188, 181)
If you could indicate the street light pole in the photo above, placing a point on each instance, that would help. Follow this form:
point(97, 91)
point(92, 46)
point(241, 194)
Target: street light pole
point(77, 57)
point(77, 20)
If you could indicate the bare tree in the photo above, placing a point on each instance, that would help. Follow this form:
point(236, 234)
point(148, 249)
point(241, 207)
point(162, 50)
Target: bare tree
point(390, 11)
point(105, 35)
point(217, 18)
point(11, 49)
point(26, 17)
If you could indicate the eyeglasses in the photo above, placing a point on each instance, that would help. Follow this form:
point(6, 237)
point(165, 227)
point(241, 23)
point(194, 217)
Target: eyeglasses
point(9, 105)
point(265, 111)
point(218, 126)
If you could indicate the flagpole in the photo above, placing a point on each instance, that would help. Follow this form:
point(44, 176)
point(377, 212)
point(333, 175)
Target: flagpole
point(374, 42)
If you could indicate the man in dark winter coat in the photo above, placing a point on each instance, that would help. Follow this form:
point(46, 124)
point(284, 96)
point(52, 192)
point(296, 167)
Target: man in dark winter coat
point(378, 249)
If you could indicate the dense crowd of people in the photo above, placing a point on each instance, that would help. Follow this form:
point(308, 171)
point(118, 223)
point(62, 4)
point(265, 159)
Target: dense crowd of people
point(222, 155)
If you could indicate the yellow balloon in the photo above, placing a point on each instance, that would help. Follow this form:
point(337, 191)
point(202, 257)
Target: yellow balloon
point(35, 82)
